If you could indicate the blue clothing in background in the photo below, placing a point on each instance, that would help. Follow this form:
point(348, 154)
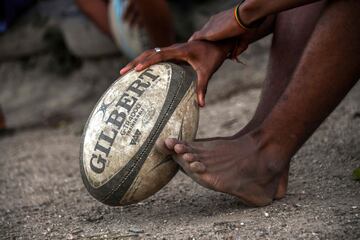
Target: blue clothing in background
point(10, 10)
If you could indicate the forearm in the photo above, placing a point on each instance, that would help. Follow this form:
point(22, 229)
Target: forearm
point(252, 10)
point(266, 28)
point(97, 11)
point(326, 72)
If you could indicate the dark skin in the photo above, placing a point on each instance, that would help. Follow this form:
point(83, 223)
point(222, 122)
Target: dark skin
point(304, 84)
point(205, 57)
point(223, 25)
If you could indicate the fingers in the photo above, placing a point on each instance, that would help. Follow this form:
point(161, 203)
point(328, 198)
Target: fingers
point(194, 37)
point(201, 87)
point(169, 53)
point(150, 57)
point(136, 61)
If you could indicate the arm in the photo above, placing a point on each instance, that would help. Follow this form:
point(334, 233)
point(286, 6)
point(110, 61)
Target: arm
point(252, 10)
point(224, 25)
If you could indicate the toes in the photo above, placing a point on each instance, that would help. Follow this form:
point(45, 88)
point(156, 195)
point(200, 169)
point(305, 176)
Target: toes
point(170, 143)
point(175, 144)
point(162, 147)
point(189, 157)
point(181, 148)
point(197, 167)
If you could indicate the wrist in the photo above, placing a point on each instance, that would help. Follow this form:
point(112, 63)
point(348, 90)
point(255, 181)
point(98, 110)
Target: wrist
point(251, 11)
point(226, 46)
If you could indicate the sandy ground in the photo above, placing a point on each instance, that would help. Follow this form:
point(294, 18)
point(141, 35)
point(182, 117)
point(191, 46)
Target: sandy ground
point(42, 195)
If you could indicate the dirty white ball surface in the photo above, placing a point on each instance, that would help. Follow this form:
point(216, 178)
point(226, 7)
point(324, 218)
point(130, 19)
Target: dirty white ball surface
point(119, 163)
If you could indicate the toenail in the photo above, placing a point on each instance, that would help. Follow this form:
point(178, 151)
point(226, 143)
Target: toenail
point(197, 167)
point(188, 157)
point(180, 148)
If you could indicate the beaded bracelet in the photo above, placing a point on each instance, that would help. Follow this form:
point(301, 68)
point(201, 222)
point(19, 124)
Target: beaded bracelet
point(237, 17)
point(252, 25)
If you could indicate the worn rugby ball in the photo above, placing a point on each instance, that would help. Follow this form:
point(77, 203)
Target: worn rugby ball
point(130, 40)
point(118, 161)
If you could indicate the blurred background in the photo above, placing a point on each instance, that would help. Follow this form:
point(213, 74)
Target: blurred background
point(57, 57)
point(55, 61)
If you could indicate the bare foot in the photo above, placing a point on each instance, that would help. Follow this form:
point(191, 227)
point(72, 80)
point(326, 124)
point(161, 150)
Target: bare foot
point(245, 167)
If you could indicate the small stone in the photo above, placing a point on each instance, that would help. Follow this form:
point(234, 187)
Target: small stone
point(69, 236)
point(266, 214)
point(136, 230)
point(242, 224)
point(76, 231)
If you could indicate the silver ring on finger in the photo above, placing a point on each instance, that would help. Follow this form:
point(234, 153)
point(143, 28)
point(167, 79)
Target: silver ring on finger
point(157, 50)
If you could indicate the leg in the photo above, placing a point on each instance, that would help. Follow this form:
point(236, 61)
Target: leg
point(155, 16)
point(287, 47)
point(250, 166)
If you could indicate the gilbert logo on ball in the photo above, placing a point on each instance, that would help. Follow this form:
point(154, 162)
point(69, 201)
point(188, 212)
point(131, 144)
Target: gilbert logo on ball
point(118, 161)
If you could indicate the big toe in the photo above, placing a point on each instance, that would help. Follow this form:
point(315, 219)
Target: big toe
point(161, 146)
point(170, 143)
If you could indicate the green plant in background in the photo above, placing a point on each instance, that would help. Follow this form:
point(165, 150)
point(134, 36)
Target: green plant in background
point(356, 174)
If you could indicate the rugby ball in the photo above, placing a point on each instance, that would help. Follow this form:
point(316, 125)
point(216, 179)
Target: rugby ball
point(130, 40)
point(119, 164)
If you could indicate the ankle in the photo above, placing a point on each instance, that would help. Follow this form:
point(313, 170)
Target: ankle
point(274, 154)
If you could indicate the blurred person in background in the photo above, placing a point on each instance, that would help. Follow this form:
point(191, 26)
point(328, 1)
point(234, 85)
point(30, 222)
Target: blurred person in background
point(163, 21)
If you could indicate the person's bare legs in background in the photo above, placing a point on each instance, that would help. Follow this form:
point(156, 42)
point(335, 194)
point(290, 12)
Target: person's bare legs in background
point(154, 16)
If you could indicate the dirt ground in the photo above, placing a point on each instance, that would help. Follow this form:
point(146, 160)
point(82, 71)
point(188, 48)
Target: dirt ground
point(42, 195)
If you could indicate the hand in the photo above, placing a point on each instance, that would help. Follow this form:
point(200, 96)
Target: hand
point(220, 26)
point(204, 57)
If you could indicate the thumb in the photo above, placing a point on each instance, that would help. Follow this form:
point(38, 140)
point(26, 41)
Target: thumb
point(201, 88)
point(194, 36)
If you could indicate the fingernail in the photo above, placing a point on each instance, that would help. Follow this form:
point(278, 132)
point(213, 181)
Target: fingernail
point(122, 71)
point(138, 67)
